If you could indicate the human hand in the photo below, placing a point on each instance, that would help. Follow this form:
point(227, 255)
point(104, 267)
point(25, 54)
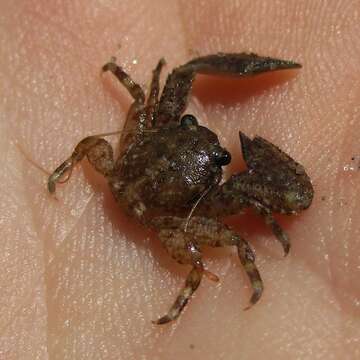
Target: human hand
point(79, 279)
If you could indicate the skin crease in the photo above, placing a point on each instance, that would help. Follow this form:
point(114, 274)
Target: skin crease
point(81, 281)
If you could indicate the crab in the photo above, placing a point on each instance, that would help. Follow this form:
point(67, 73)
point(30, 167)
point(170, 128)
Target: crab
point(168, 174)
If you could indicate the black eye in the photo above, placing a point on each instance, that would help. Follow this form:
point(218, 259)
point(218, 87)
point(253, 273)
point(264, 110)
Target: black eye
point(188, 120)
point(222, 158)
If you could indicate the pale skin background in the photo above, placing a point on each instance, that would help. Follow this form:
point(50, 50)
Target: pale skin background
point(81, 281)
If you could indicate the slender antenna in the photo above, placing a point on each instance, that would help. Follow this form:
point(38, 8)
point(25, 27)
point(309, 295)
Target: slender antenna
point(195, 206)
point(108, 133)
point(211, 276)
point(30, 160)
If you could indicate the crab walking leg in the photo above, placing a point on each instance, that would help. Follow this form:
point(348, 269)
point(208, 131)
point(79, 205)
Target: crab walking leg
point(99, 153)
point(203, 232)
point(247, 259)
point(279, 233)
point(134, 89)
point(191, 284)
point(136, 117)
point(182, 247)
point(178, 84)
point(152, 101)
point(215, 234)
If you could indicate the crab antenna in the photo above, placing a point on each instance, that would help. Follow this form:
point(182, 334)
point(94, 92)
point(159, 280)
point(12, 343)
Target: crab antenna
point(108, 133)
point(195, 206)
point(31, 161)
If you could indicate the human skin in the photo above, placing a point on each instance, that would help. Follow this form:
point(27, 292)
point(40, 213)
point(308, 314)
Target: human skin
point(79, 279)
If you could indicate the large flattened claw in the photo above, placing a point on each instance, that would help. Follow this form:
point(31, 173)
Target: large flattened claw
point(175, 95)
point(281, 181)
point(239, 64)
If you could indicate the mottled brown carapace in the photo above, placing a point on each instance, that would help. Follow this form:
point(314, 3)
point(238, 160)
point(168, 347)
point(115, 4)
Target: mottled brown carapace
point(169, 170)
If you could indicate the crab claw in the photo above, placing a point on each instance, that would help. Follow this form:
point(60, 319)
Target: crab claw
point(282, 184)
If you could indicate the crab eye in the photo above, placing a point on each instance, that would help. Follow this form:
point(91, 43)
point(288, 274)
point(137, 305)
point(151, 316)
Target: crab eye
point(188, 120)
point(222, 158)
